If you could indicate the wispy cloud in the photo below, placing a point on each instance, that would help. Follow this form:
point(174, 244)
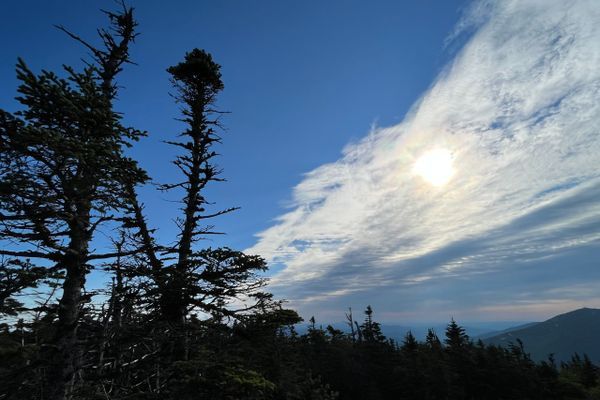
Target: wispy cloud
point(519, 110)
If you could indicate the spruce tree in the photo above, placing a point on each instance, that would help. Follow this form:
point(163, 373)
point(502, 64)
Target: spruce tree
point(188, 280)
point(62, 175)
point(371, 330)
point(456, 338)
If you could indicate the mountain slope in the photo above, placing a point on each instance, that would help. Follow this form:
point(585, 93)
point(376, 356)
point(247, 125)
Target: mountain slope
point(573, 332)
point(490, 335)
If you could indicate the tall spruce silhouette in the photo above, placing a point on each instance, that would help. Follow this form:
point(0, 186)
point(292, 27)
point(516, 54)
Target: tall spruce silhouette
point(188, 279)
point(62, 175)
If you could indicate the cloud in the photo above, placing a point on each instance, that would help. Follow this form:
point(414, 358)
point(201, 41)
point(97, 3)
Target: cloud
point(519, 111)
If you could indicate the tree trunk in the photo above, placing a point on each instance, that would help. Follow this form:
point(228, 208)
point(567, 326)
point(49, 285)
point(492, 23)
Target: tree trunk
point(63, 355)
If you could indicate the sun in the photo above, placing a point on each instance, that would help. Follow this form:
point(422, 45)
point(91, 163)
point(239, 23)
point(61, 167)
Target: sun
point(435, 167)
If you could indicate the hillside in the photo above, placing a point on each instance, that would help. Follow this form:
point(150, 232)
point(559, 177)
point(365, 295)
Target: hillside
point(492, 334)
point(573, 332)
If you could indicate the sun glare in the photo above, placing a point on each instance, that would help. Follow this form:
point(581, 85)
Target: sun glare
point(435, 167)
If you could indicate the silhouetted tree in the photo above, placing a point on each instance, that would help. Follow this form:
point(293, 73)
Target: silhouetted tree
point(187, 279)
point(456, 338)
point(15, 276)
point(410, 344)
point(62, 174)
point(371, 330)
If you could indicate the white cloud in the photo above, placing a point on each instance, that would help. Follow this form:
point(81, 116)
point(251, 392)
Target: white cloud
point(519, 110)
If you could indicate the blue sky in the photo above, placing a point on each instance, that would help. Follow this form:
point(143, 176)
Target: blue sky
point(333, 103)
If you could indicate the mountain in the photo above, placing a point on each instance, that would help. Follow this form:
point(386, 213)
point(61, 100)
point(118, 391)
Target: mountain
point(492, 334)
point(573, 332)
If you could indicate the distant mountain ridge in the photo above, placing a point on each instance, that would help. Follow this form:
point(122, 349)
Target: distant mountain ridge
point(563, 335)
point(475, 330)
point(492, 334)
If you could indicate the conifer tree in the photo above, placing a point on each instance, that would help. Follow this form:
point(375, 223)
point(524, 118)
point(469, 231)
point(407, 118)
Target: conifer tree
point(371, 330)
point(188, 279)
point(410, 344)
point(432, 340)
point(456, 338)
point(62, 174)
point(15, 276)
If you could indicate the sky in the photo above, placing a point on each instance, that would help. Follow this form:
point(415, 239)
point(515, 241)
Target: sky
point(432, 159)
